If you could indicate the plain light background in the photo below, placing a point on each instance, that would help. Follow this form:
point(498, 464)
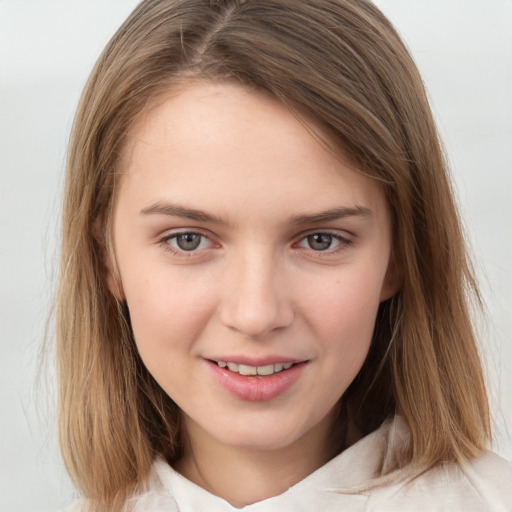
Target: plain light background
point(47, 48)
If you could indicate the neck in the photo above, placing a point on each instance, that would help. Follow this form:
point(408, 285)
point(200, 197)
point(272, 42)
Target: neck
point(244, 476)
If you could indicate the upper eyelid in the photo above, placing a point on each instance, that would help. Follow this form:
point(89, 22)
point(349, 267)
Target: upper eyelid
point(171, 233)
point(343, 234)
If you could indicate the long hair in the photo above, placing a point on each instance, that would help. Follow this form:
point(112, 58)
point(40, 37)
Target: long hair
point(340, 65)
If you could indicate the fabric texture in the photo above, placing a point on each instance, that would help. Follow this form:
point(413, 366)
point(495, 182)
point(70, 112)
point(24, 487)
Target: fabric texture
point(357, 480)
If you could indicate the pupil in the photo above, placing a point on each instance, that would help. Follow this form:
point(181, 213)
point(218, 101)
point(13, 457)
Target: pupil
point(188, 241)
point(319, 241)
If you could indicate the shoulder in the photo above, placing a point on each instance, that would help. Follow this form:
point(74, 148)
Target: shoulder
point(491, 476)
point(485, 483)
point(155, 494)
point(152, 495)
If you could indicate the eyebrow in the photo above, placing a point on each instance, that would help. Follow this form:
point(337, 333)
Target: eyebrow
point(175, 210)
point(329, 215)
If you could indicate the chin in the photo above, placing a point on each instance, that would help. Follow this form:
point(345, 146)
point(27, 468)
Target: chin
point(269, 436)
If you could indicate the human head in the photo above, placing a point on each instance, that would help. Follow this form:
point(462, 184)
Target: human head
point(343, 70)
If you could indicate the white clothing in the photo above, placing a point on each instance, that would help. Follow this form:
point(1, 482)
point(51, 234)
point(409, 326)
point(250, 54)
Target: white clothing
point(353, 482)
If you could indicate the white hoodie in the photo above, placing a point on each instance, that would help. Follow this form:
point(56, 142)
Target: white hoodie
point(353, 482)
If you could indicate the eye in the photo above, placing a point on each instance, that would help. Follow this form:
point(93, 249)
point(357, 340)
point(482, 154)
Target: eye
point(322, 241)
point(186, 242)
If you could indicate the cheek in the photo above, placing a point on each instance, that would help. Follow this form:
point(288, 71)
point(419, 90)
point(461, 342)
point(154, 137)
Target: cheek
point(342, 316)
point(167, 314)
point(345, 307)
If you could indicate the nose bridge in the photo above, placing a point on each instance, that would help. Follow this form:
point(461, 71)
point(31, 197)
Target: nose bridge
point(255, 301)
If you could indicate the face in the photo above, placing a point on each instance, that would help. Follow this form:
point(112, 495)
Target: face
point(252, 262)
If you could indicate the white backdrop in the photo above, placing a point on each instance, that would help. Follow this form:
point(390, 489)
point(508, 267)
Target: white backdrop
point(47, 47)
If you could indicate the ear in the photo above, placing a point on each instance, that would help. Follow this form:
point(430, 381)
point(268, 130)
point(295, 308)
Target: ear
point(110, 273)
point(392, 280)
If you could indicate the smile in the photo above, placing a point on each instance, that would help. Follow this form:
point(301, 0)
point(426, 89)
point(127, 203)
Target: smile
point(256, 383)
point(243, 369)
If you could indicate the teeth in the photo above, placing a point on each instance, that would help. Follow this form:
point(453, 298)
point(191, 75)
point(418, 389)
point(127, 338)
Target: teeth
point(244, 369)
point(247, 370)
point(233, 367)
point(267, 369)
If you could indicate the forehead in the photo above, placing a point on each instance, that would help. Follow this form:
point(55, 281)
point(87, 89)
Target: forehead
point(227, 145)
point(199, 111)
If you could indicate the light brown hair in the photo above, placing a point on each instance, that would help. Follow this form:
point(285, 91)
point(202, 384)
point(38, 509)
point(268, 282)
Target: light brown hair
point(340, 64)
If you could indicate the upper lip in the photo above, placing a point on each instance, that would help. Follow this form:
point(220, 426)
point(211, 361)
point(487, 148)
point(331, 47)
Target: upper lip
point(256, 361)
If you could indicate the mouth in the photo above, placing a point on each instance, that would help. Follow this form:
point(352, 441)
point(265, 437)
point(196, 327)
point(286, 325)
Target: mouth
point(246, 370)
point(257, 382)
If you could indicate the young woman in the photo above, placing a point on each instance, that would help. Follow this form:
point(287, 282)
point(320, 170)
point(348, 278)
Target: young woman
point(264, 293)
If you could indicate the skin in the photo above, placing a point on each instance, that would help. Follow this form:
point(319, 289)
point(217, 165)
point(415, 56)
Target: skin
point(255, 286)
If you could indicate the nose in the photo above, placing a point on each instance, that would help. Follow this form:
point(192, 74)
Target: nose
point(255, 298)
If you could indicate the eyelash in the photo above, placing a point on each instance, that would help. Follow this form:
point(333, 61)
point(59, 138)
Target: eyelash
point(342, 241)
point(164, 242)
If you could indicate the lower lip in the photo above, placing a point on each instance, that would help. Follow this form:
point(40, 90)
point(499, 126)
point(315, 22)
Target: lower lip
point(256, 388)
